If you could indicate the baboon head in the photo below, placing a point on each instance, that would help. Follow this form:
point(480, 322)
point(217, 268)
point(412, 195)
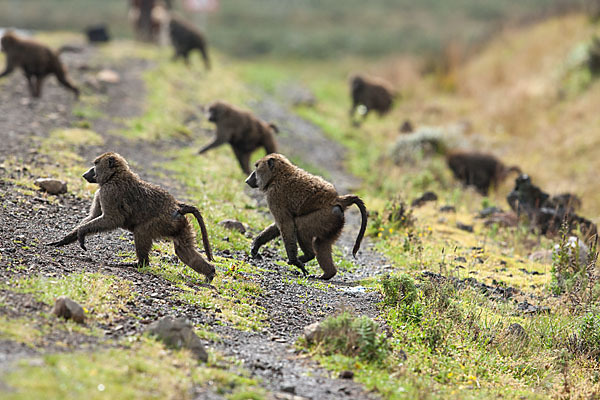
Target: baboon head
point(267, 169)
point(8, 41)
point(105, 166)
point(357, 82)
point(217, 110)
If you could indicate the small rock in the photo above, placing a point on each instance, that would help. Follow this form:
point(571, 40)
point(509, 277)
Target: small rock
point(177, 333)
point(407, 127)
point(345, 374)
point(574, 247)
point(402, 355)
point(52, 186)
point(108, 76)
point(312, 331)
point(464, 227)
point(448, 209)
point(541, 256)
point(68, 309)
point(488, 211)
point(460, 259)
point(526, 308)
point(289, 389)
point(233, 225)
point(426, 197)
point(517, 331)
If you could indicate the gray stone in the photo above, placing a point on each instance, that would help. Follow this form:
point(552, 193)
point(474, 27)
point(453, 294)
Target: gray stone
point(346, 374)
point(517, 331)
point(68, 309)
point(233, 225)
point(108, 76)
point(177, 333)
point(574, 247)
point(312, 331)
point(52, 186)
point(464, 227)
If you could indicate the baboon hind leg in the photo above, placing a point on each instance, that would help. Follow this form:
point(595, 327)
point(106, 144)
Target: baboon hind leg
point(268, 234)
point(185, 248)
point(64, 80)
point(306, 244)
point(324, 257)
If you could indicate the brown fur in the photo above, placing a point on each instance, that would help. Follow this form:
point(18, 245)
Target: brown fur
point(185, 38)
point(375, 94)
point(242, 130)
point(150, 212)
point(36, 60)
point(479, 170)
point(307, 211)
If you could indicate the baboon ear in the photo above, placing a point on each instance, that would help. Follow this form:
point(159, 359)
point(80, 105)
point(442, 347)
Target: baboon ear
point(111, 162)
point(271, 163)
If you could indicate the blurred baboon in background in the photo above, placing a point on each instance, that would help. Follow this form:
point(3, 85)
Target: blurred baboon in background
point(370, 94)
point(478, 170)
point(185, 37)
point(147, 18)
point(37, 62)
point(242, 130)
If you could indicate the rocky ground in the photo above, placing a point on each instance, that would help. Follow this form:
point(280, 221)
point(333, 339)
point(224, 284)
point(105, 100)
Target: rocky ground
point(28, 221)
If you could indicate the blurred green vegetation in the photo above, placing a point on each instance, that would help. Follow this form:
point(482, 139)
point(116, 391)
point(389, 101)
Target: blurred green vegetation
point(309, 28)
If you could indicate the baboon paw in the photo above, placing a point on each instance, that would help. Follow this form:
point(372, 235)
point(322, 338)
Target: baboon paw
point(326, 277)
point(81, 240)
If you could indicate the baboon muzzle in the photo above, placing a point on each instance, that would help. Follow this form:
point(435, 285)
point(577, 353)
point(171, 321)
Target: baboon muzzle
point(251, 180)
point(90, 175)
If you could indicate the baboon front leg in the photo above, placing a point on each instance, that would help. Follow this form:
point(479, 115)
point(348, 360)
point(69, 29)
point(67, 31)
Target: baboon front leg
point(185, 248)
point(244, 160)
point(38, 86)
point(323, 249)
point(143, 245)
point(101, 224)
point(30, 84)
point(268, 234)
point(216, 143)
point(95, 212)
point(9, 68)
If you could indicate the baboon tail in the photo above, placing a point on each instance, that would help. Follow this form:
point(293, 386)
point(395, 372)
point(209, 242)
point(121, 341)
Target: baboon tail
point(274, 127)
point(188, 209)
point(514, 168)
point(348, 200)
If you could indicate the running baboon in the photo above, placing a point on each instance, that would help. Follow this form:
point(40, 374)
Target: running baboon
point(307, 211)
point(374, 94)
point(150, 212)
point(242, 130)
point(479, 170)
point(185, 37)
point(36, 60)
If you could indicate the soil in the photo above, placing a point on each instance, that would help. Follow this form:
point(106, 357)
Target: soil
point(27, 222)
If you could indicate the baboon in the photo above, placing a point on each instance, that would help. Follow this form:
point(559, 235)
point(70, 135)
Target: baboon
point(185, 37)
point(374, 94)
point(36, 60)
point(242, 130)
point(479, 170)
point(150, 212)
point(307, 211)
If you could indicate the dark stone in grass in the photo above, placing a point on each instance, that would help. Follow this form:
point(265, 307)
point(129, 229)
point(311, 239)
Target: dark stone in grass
point(177, 333)
point(68, 309)
point(288, 389)
point(233, 225)
point(517, 331)
point(346, 374)
point(464, 227)
point(527, 308)
point(426, 197)
point(402, 355)
point(448, 209)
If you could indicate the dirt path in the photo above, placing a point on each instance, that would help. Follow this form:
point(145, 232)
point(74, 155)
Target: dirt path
point(290, 306)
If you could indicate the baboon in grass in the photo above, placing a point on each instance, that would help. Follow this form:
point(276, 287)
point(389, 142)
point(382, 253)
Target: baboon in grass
point(37, 62)
point(150, 212)
point(242, 130)
point(479, 170)
point(371, 93)
point(307, 211)
point(185, 37)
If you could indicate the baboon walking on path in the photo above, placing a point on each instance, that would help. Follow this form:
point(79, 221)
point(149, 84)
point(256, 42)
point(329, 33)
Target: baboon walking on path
point(307, 210)
point(150, 212)
point(479, 170)
point(37, 62)
point(242, 130)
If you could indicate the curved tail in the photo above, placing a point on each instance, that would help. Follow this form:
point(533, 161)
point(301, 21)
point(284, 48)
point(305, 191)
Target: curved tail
point(188, 209)
point(345, 202)
point(274, 127)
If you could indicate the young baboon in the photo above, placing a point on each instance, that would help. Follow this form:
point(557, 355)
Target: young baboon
point(36, 60)
point(242, 130)
point(150, 212)
point(185, 37)
point(479, 170)
point(307, 211)
point(374, 94)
